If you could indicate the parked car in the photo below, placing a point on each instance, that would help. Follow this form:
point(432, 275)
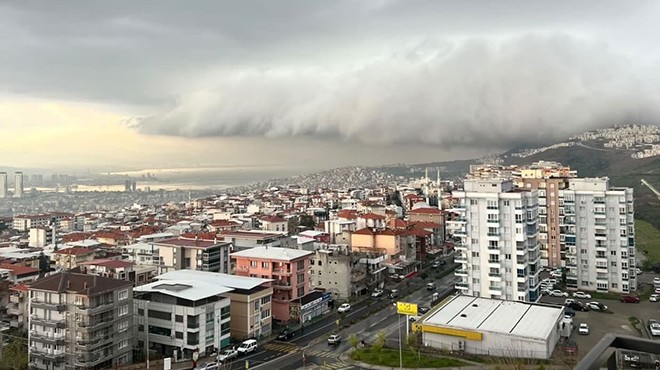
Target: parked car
point(656, 280)
point(558, 293)
point(430, 286)
point(208, 366)
point(286, 334)
point(638, 271)
point(246, 347)
point(549, 281)
point(627, 298)
point(393, 293)
point(583, 329)
point(657, 290)
point(377, 293)
point(345, 307)
point(582, 295)
point(654, 297)
point(569, 312)
point(435, 265)
point(556, 273)
point(654, 327)
point(568, 301)
point(334, 339)
point(423, 309)
point(597, 306)
point(570, 347)
point(227, 355)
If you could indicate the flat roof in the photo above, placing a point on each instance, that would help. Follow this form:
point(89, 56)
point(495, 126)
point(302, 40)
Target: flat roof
point(491, 315)
point(192, 290)
point(231, 281)
point(272, 253)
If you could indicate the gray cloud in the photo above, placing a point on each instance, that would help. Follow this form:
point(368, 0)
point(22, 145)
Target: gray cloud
point(535, 88)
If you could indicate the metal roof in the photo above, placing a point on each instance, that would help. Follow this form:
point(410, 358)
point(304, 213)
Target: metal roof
point(192, 290)
point(226, 280)
point(272, 253)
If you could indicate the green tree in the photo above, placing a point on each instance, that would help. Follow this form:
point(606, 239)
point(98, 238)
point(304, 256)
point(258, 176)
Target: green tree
point(44, 264)
point(15, 355)
point(292, 225)
point(413, 343)
point(307, 221)
point(353, 340)
point(379, 343)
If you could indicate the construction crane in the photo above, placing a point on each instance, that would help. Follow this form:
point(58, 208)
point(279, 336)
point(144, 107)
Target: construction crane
point(653, 189)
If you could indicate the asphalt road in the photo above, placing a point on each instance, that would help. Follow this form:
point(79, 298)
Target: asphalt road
point(366, 318)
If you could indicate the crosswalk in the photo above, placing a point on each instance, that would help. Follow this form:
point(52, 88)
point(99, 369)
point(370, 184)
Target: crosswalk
point(281, 347)
point(335, 366)
point(319, 353)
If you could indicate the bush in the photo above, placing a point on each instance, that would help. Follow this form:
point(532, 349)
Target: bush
point(390, 357)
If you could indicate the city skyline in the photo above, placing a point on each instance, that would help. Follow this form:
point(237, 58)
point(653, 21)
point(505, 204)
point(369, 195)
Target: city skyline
point(314, 84)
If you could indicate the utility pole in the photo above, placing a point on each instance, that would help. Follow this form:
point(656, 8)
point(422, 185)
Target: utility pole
point(400, 350)
point(146, 333)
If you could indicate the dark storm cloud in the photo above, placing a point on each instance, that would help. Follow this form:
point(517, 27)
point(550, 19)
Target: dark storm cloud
point(430, 72)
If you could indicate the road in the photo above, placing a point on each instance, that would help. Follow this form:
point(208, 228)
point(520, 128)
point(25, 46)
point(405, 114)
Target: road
point(366, 318)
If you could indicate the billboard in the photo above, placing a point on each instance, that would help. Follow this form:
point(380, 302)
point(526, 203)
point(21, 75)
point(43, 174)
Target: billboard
point(405, 308)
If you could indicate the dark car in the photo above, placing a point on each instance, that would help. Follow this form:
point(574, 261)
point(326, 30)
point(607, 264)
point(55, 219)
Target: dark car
point(422, 309)
point(570, 347)
point(569, 312)
point(627, 298)
point(286, 334)
point(577, 306)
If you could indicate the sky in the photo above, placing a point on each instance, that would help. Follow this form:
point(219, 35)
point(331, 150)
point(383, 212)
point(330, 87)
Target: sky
point(320, 84)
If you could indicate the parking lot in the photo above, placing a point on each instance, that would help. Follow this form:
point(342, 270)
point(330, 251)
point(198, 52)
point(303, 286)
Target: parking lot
point(616, 322)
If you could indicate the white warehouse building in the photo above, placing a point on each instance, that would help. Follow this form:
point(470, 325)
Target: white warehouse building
point(492, 327)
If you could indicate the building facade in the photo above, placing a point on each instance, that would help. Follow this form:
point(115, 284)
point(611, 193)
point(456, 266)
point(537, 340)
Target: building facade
point(289, 268)
point(180, 317)
point(497, 233)
point(599, 232)
point(80, 321)
point(195, 254)
point(3, 184)
point(18, 184)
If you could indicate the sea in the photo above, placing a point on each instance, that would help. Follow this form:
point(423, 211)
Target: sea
point(195, 178)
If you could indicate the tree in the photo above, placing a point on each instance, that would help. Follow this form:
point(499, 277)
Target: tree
point(15, 355)
point(353, 340)
point(292, 225)
point(379, 343)
point(413, 343)
point(44, 264)
point(307, 221)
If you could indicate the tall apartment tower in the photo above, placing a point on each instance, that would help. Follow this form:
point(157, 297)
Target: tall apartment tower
point(497, 225)
point(18, 184)
point(600, 236)
point(3, 184)
point(79, 322)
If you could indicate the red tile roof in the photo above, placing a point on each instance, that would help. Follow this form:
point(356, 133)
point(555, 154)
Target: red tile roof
point(75, 237)
point(75, 251)
point(372, 216)
point(425, 211)
point(365, 231)
point(185, 242)
point(425, 225)
point(272, 219)
point(349, 214)
point(20, 288)
point(19, 270)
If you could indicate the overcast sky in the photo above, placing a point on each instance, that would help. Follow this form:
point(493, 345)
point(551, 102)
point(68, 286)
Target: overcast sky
point(315, 83)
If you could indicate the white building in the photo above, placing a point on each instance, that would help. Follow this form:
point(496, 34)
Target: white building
point(41, 237)
point(493, 327)
point(183, 316)
point(18, 184)
point(3, 184)
point(498, 231)
point(599, 232)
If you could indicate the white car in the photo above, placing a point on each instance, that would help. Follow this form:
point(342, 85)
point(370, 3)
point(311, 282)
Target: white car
point(344, 308)
point(568, 301)
point(654, 298)
point(556, 273)
point(549, 281)
point(582, 295)
point(377, 293)
point(656, 280)
point(209, 366)
point(655, 328)
point(638, 271)
point(596, 306)
point(583, 329)
point(227, 355)
point(558, 293)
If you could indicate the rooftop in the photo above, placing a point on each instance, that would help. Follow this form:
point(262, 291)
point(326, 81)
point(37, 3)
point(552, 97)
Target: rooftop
point(74, 251)
point(231, 281)
point(193, 243)
point(78, 283)
point(272, 253)
point(507, 317)
point(192, 290)
point(108, 263)
point(19, 270)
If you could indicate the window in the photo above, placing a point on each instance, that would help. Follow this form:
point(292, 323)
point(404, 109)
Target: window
point(178, 335)
point(160, 315)
point(264, 265)
point(265, 300)
point(193, 339)
point(613, 253)
point(301, 278)
point(265, 314)
point(301, 291)
point(253, 263)
point(311, 262)
point(224, 313)
point(613, 263)
point(320, 263)
point(507, 256)
point(123, 344)
point(475, 254)
point(225, 329)
point(179, 318)
point(474, 202)
point(300, 265)
point(123, 294)
point(122, 327)
point(505, 203)
point(123, 310)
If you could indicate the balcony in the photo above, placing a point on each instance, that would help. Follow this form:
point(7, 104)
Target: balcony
point(47, 354)
point(95, 310)
point(460, 259)
point(88, 360)
point(358, 276)
point(460, 247)
point(460, 233)
point(15, 298)
point(35, 320)
point(496, 289)
point(87, 326)
point(60, 307)
point(460, 272)
point(13, 310)
point(462, 286)
point(282, 272)
point(47, 337)
point(282, 285)
point(494, 276)
point(604, 354)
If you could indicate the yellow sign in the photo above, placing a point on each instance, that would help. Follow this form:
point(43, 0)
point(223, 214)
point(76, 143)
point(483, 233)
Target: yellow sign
point(405, 308)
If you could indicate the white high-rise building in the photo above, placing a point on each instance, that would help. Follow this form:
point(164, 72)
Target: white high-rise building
point(18, 184)
point(599, 232)
point(3, 184)
point(497, 225)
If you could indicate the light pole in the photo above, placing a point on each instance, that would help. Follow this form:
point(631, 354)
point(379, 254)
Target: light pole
point(400, 350)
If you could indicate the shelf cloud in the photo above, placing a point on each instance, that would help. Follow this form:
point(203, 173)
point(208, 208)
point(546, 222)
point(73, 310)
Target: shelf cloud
point(496, 92)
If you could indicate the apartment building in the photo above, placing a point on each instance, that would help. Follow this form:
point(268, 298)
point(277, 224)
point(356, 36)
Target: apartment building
point(41, 237)
point(245, 239)
point(251, 300)
point(121, 270)
point(180, 317)
point(17, 306)
point(80, 321)
point(274, 223)
point(498, 249)
point(289, 268)
point(195, 254)
point(70, 258)
point(599, 232)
